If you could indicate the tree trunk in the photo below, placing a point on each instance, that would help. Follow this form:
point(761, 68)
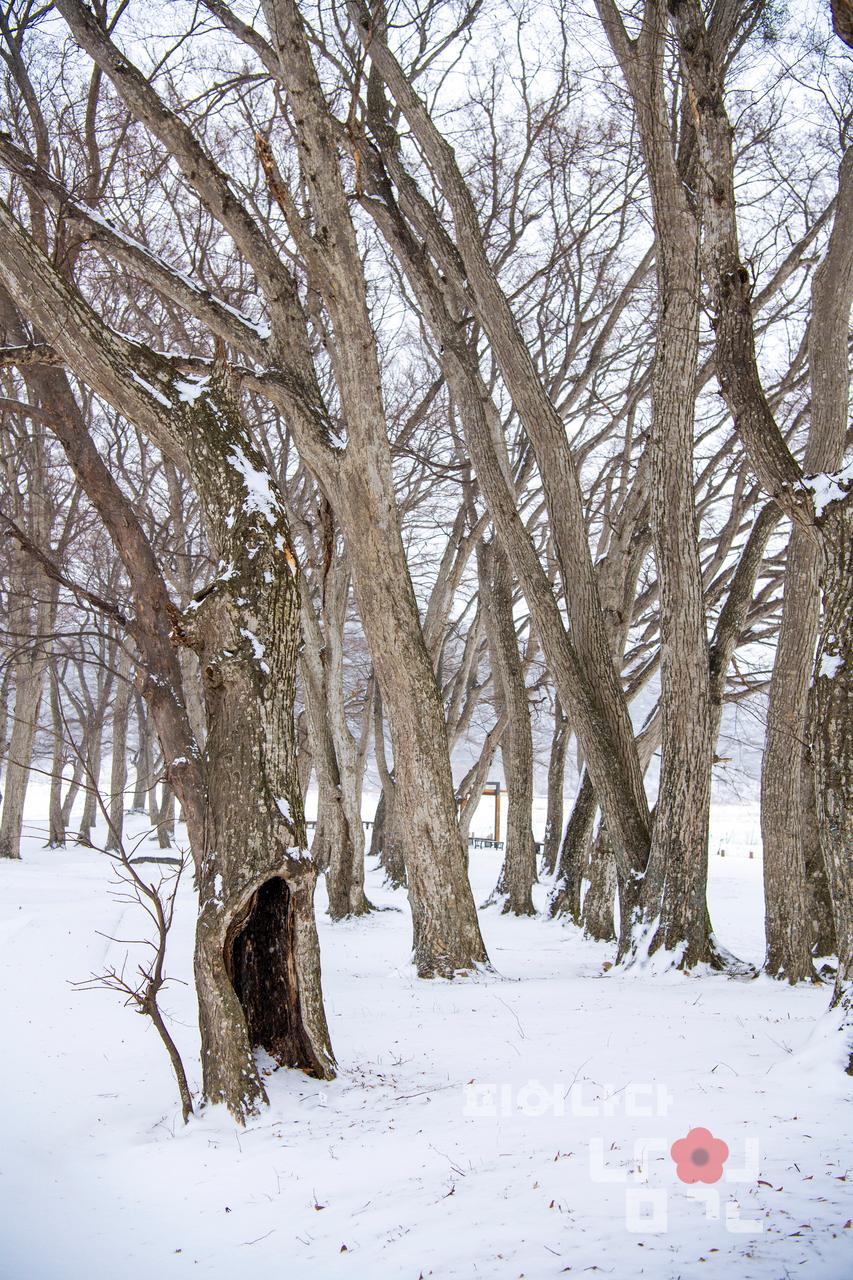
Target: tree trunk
point(152, 802)
point(789, 888)
point(28, 682)
point(386, 840)
point(91, 748)
point(346, 867)
point(673, 890)
point(574, 854)
point(788, 929)
point(166, 818)
point(338, 844)
point(256, 957)
point(257, 962)
point(556, 782)
point(822, 928)
point(598, 904)
point(588, 682)
point(118, 767)
point(144, 760)
point(518, 874)
point(358, 483)
point(5, 689)
point(304, 755)
point(599, 723)
point(56, 819)
point(70, 798)
point(833, 745)
point(824, 510)
point(30, 630)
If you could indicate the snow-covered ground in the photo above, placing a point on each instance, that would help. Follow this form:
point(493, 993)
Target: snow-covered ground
point(517, 1124)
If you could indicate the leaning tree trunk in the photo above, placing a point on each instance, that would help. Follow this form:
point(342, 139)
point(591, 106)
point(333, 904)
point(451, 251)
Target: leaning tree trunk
point(829, 516)
point(588, 682)
point(825, 513)
point(357, 479)
point(446, 932)
point(70, 797)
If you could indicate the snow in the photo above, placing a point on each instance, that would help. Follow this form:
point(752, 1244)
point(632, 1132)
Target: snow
point(831, 486)
point(258, 650)
point(260, 496)
point(830, 665)
point(493, 1127)
point(189, 389)
point(262, 330)
point(152, 390)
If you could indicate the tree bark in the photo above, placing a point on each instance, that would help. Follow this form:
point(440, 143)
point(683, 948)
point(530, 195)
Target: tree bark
point(515, 886)
point(340, 835)
point(833, 746)
point(118, 765)
point(586, 677)
point(144, 763)
point(31, 629)
point(822, 938)
point(791, 893)
point(166, 818)
point(597, 914)
point(556, 782)
point(673, 890)
point(574, 854)
point(241, 800)
point(788, 929)
point(823, 509)
point(356, 479)
point(56, 817)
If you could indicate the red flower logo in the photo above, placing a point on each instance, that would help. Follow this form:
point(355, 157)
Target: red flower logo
point(699, 1157)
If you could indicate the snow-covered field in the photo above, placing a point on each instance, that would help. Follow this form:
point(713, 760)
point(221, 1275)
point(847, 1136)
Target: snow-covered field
point(517, 1124)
